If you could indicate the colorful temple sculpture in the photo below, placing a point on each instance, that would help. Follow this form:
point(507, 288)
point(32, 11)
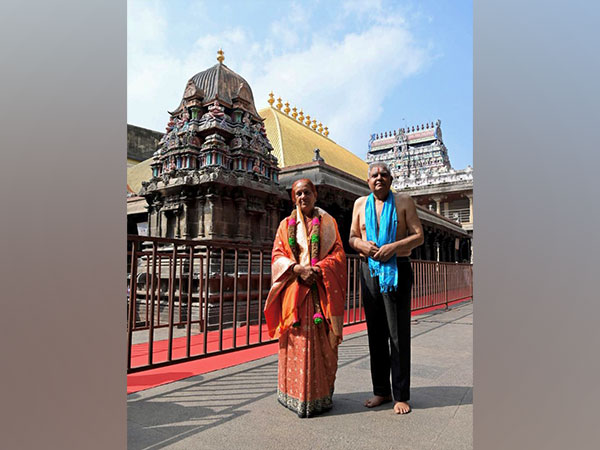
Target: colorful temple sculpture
point(214, 165)
point(421, 168)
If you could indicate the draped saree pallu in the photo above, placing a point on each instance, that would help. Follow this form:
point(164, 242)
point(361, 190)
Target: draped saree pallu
point(302, 316)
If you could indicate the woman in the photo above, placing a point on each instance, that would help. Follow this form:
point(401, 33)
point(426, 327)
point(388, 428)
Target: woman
point(305, 305)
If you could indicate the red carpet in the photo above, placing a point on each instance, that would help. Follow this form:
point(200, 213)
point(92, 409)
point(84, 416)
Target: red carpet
point(155, 377)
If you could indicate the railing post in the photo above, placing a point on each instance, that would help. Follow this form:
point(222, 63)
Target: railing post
point(446, 284)
point(132, 301)
point(172, 277)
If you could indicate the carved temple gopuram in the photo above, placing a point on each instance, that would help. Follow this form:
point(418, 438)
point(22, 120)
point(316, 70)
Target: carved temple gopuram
point(421, 167)
point(214, 165)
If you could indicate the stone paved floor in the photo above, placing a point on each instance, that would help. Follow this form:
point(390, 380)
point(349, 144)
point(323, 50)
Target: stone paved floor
point(236, 408)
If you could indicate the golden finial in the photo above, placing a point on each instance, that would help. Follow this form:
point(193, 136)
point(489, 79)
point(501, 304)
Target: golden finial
point(271, 99)
point(301, 116)
point(294, 113)
point(314, 125)
point(287, 108)
point(326, 132)
point(307, 120)
point(220, 56)
point(320, 130)
point(279, 105)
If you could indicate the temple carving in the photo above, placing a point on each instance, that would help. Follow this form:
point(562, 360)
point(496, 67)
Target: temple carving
point(214, 165)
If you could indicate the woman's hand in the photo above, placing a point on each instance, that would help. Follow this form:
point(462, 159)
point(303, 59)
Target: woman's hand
point(318, 272)
point(307, 274)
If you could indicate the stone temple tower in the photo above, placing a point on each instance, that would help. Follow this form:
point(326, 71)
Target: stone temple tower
point(213, 174)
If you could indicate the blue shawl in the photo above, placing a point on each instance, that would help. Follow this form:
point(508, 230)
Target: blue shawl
point(388, 270)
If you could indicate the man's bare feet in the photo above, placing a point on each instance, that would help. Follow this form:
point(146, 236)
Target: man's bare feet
point(377, 400)
point(402, 408)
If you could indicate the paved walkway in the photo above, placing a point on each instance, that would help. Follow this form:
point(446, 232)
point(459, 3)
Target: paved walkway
point(237, 408)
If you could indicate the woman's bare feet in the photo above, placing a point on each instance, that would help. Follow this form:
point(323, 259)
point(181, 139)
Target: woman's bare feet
point(377, 400)
point(402, 408)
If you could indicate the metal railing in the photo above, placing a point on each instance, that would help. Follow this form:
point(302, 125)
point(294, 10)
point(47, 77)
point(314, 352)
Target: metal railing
point(188, 299)
point(460, 215)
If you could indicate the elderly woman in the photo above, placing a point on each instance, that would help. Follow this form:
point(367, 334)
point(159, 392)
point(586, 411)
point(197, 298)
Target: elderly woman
point(305, 305)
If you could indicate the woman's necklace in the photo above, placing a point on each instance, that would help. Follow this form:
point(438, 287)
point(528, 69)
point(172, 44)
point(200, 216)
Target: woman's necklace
point(314, 242)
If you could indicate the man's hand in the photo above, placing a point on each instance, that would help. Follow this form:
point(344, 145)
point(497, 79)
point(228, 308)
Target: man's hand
point(385, 252)
point(369, 248)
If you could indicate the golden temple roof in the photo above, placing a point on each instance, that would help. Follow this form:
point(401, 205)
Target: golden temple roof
point(294, 143)
point(138, 173)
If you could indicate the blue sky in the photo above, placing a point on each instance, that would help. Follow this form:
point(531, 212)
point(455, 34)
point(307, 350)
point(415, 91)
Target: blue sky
point(359, 67)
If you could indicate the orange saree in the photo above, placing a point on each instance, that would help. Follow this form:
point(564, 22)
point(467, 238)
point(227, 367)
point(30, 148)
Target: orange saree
point(307, 361)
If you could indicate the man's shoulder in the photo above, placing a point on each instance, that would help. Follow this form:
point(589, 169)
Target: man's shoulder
point(360, 200)
point(403, 201)
point(401, 197)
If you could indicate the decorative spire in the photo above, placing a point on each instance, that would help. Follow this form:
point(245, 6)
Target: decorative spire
point(314, 125)
point(301, 116)
point(294, 113)
point(326, 132)
point(287, 108)
point(279, 105)
point(271, 99)
point(220, 56)
point(307, 120)
point(320, 130)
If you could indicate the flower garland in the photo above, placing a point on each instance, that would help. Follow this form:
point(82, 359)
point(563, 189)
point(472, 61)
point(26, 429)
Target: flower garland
point(314, 258)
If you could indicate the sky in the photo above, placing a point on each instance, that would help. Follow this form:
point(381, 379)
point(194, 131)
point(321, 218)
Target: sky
point(359, 67)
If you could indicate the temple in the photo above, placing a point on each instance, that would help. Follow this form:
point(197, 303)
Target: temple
point(221, 160)
point(421, 168)
point(213, 165)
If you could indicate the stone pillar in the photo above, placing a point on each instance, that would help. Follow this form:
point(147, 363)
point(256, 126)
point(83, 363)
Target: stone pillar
point(470, 197)
point(153, 221)
point(184, 224)
point(471, 250)
point(179, 218)
point(201, 225)
point(240, 211)
point(228, 216)
point(163, 224)
point(454, 249)
point(209, 216)
point(438, 202)
point(270, 223)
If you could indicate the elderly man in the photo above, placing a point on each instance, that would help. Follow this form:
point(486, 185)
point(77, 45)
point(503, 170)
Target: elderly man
point(385, 228)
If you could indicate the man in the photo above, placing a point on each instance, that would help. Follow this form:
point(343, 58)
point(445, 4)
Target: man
point(385, 228)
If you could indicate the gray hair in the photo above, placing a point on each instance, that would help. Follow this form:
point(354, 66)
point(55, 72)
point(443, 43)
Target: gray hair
point(378, 164)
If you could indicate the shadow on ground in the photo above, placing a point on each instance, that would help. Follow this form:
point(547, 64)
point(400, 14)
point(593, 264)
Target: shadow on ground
point(160, 420)
point(421, 398)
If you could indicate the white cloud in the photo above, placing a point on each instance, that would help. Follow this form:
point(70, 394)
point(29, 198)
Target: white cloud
point(343, 84)
point(339, 79)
